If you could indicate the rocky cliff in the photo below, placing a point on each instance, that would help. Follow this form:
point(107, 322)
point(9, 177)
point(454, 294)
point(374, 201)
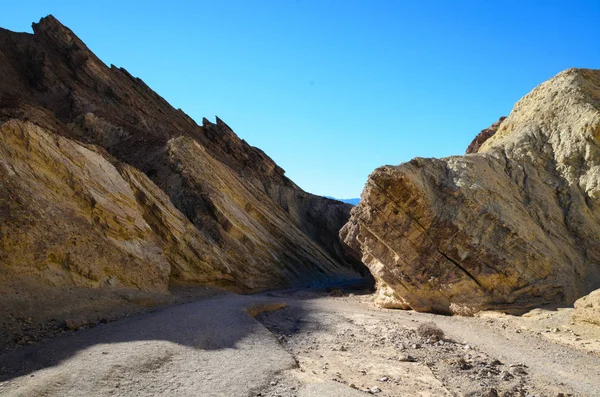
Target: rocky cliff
point(104, 184)
point(483, 136)
point(515, 225)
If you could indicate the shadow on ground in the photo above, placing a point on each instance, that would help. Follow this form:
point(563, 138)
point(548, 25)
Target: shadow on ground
point(212, 324)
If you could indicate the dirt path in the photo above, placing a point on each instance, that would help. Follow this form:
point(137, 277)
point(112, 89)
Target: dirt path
point(318, 346)
point(206, 348)
point(346, 341)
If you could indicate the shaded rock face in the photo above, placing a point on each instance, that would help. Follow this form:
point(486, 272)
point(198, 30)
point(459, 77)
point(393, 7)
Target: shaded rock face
point(483, 136)
point(105, 184)
point(513, 226)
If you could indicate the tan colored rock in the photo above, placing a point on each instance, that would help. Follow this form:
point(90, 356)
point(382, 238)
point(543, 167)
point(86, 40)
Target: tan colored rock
point(105, 185)
point(514, 226)
point(259, 308)
point(75, 323)
point(483, 136)
point(69, 218)
point(264, 249)
point(192, 256)
point(387, 298)
point(587, 308)
point(72, 218)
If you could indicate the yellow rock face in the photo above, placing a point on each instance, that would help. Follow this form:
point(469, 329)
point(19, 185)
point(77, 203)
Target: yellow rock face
point(69, 218)
point(263, 247)
point(72, 218)
point(104, 184)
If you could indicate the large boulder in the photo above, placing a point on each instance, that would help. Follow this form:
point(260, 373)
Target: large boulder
point(513, 226)
point(587, 309)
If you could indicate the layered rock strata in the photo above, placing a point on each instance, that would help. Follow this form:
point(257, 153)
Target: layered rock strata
point(104, 184)
point(513, 226)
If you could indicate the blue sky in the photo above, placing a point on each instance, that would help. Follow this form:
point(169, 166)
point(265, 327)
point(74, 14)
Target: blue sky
point(333, 89)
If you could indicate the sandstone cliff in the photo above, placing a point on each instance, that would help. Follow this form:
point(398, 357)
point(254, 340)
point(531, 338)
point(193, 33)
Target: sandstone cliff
point(104, 184)
point(513, 226)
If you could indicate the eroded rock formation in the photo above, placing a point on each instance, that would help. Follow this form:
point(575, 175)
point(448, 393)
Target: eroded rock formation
point(513, 226)
point(483, 136)
point(105, 184)
point(587, 309)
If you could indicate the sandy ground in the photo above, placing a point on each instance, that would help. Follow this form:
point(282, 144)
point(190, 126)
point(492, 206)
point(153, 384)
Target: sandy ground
point(205, 348)
point(348, 341)
point(310, 343)
point(553, 324)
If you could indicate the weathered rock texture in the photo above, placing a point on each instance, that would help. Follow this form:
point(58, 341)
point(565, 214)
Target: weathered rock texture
point(104, 184)
point(587, 309)
point(513, 226)
point(483, 136)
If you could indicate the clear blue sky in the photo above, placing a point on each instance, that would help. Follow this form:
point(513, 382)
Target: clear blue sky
point(333, 89)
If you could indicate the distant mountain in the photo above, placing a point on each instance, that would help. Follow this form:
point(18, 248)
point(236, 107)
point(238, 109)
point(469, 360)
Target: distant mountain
point(353, 201)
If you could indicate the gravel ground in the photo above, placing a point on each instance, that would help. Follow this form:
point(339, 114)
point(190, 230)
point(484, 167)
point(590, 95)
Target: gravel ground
point(309, 343)
point(46, 313)
point(393, 353)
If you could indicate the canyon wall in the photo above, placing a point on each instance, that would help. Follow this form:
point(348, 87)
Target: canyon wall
point(104, 184)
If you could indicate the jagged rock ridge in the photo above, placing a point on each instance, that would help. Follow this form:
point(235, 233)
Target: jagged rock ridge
point(105, 184)
point(513, 226)
point(483, 136)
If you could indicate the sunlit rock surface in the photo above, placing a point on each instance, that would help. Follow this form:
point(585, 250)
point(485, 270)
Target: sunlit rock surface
point(513, 226)
point(104, 184)
point(587, 309)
